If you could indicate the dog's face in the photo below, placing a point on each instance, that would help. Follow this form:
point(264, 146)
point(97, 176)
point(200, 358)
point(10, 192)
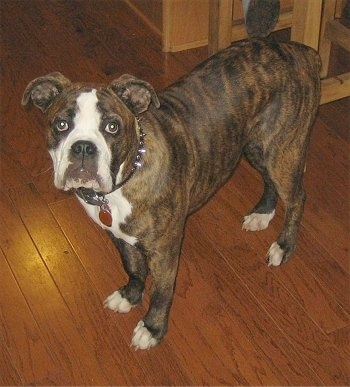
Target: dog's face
point(92, 129)
point(90, 132)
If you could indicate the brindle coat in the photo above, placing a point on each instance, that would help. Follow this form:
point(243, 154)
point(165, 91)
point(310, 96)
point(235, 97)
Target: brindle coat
point(256, 98)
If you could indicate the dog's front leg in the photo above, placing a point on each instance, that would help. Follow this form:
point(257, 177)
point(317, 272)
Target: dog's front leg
point(163, 267)
point(135, 265)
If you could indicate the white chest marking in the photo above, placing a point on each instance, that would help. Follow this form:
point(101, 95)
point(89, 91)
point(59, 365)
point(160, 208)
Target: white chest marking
point(121, 208)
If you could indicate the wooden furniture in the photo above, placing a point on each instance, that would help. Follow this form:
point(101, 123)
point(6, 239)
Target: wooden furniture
point(332, 31)
point(182, 24)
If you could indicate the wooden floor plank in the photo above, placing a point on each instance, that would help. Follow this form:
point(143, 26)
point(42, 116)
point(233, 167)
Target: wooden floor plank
point(318, 302)
point(44, 184)
point(12, 172)
point(341, 338)
point(20, 331)
point(54, 320)
point(264, 284)
point(230, 305)
point(325, 302)
point(9, 375)
point(330, 114)
point(330, 221)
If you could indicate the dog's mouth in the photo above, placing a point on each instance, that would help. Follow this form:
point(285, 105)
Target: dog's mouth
point(84, 177)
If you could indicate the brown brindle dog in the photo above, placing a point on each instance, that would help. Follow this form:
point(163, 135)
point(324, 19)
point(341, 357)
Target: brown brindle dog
point(256, 98)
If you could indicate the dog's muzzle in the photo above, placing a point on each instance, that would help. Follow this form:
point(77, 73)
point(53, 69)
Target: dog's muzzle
point(82, 169)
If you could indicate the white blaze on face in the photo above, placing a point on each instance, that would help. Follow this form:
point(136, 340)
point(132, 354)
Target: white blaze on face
point(85, 127)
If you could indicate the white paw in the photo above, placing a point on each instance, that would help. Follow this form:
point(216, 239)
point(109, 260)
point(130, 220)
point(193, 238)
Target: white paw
point(275, 255)
point(117, 303)
point(142, 338)
point(257, 222)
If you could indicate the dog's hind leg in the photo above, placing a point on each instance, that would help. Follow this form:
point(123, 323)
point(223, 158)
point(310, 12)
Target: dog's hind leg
point(136, 267)
point(260, 216)
point(287, 175)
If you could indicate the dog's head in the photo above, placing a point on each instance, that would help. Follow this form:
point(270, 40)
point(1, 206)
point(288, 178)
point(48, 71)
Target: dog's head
point(92, 129)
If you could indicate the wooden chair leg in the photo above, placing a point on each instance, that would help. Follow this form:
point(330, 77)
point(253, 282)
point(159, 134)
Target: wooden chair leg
point(324, 49)
point(220, 24)
point(306, 22)
point(333, 31)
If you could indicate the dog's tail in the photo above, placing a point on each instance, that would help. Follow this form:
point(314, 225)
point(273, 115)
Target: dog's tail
point(260, 16)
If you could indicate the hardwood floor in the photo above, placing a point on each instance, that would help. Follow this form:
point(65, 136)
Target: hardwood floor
point(234, 320)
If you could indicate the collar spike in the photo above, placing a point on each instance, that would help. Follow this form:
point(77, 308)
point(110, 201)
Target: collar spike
point(141, 150)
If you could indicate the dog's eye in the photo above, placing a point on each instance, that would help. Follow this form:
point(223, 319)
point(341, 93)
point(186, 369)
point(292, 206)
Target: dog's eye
point(62, 125)
point(112, 127)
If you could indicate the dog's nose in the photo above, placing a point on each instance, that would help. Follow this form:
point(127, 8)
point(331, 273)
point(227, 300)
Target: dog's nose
point(84, 148)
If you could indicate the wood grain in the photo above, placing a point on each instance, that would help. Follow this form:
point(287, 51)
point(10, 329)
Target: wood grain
point(306, 22)
point(46, 303)
point(23, 339)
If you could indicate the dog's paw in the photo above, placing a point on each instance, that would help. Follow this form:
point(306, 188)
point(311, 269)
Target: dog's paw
point(275, 255)
point(117, 303)
point(257, 222)
point(142, 338)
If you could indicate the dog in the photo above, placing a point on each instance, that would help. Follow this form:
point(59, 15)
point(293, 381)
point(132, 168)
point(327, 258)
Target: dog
point(140, 162)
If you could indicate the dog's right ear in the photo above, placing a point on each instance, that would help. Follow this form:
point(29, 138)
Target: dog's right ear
point(135, 93)
point(42, 91)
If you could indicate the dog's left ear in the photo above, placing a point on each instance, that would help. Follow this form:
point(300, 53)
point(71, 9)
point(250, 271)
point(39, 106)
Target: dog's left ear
point(135, 93)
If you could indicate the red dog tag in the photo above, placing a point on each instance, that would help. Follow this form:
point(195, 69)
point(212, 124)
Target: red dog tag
point(105, 215)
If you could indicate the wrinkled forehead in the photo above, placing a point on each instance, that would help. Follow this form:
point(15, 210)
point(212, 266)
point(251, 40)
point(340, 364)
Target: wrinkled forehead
point(89, 102)
point(87, 113)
